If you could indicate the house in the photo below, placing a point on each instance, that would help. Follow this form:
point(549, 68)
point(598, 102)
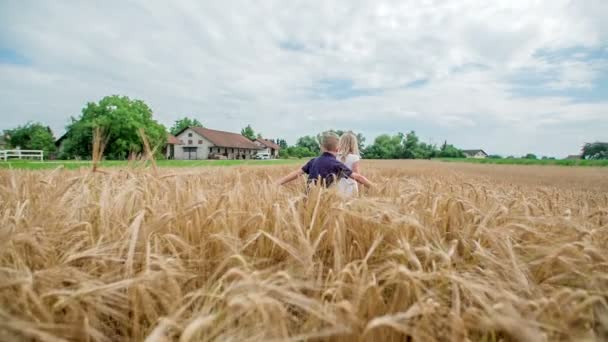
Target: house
point(267, 147)
point(574, 157)
point(60, 143)
point(204, 143)
point(172, 141)
point(479, 154)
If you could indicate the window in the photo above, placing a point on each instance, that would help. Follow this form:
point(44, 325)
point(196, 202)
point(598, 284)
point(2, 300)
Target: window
point(232, 150)
point(189, 142)
point(210, 149)
point(200, 142)
point(189, 135)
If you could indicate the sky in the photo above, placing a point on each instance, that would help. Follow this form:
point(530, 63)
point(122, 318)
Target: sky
point(510, 77)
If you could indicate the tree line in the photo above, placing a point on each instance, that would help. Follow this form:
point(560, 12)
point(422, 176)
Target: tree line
point(399, 146)
point(119, 118)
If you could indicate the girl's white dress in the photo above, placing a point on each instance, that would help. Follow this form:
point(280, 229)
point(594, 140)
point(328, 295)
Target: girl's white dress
point(348, 186)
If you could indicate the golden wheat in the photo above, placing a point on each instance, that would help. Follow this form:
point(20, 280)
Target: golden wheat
point(434, 252)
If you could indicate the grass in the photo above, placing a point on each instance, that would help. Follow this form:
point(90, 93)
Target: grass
point(521, 161)
point(436, 252)
point(71, 164)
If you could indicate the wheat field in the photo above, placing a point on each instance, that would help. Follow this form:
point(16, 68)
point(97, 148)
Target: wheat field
point(435, 252)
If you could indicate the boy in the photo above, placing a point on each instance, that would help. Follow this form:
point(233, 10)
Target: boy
point(326, 168)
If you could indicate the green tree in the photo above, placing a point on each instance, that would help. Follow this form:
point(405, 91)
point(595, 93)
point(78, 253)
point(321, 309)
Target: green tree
point(184, 123)
point(119, 118)
point(426, 151)
point(530, 156)
point(32, 136)
point(596, 150)
point(309, 142)
point(449, 151)
point(248, 132)
point(283, 153)
point(411, 146)
point(299, 152)
point(282, 143)
point(385, 147)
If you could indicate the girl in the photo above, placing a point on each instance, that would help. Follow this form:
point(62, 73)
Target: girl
point(348, 153)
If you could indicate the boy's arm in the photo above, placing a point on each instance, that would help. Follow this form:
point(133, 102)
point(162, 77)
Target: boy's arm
point(295, 174)
point(361, 179)
point(291, 176)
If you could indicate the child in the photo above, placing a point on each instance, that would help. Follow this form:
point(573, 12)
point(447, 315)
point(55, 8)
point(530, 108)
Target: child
point(348, 153)
point(326, 168)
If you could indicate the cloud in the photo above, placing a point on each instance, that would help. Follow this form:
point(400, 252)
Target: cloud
point(475, 72)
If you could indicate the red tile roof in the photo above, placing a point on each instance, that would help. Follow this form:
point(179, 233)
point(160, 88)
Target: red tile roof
point(268, 143)
point(172, 140)
point(225, 139)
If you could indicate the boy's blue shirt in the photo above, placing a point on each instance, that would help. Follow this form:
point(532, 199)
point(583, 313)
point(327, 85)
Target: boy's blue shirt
point(327, 168)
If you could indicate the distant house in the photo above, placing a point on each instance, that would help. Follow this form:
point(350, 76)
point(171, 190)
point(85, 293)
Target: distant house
point(172, 141)
point(60, 143)
point(479, 154)
point(267, 147)
point(574, 156)
point(204, 143)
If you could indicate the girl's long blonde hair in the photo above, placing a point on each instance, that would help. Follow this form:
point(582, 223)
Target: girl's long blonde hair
point(348, 145)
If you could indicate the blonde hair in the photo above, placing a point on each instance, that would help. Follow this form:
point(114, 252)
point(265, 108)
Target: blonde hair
point(348, 145)
point(329, 141)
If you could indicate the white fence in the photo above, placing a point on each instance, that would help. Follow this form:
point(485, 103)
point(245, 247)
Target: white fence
point(21, 154)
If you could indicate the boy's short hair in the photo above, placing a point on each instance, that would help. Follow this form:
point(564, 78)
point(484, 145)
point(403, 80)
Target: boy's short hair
point(329, 141)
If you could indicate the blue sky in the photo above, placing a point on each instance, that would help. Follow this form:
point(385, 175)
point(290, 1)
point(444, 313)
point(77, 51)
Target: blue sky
point(12, 56)
point(510, 77)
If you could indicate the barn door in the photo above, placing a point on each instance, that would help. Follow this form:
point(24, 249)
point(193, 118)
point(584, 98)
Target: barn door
point(191, 151)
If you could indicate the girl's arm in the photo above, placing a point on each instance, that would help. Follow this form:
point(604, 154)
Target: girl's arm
point(291, 176)
point(356, 168)
point(361, 179)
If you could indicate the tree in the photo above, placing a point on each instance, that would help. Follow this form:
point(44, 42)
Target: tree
point(282, 143)
point(32, 136)
point(426, 151)
point(385, 147)
point(309, 142)
point(449, 151)
point(259, 136)
point(184, 123)
point(414, 149)
point(494, 156)
point(299, 152)
point(248, 133)
point(120, 119)
point(410, 146)
point(596, 150)
point(283, 153)
point(530, 156)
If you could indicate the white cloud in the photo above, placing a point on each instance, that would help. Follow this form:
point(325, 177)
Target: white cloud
point(234, 63)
